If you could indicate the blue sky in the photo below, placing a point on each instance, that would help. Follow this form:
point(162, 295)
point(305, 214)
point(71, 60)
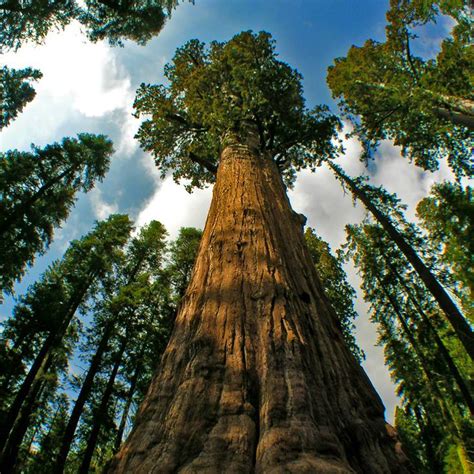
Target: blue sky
point(90, 88)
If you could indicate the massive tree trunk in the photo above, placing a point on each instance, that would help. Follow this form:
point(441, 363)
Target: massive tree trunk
point(256, 377)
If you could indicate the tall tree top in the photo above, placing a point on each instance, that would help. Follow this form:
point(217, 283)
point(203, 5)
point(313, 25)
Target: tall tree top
point(425, 105)
point(217, 93)
point(15, 92)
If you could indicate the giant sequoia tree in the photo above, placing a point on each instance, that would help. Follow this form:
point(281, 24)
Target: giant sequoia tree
point(256, 377)
point(424, 105)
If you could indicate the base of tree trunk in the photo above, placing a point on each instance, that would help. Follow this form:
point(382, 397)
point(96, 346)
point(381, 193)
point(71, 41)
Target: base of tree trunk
point(256, 377)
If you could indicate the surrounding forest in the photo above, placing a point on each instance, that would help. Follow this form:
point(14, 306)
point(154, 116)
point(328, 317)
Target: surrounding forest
point(233, 348)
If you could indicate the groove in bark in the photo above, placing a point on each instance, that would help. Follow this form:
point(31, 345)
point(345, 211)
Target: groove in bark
point(256, 377)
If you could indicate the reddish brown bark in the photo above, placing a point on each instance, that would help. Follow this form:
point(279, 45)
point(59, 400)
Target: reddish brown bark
point(256, 377)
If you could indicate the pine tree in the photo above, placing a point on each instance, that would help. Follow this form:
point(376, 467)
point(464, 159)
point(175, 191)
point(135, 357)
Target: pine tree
point(150, 307)
point(183, 253)
point(255, 376)
point(42, 461)
point(83, 265)
point(337, 288)
point(122, 301)
point(15, 92)
point(447, 215)
point(433, 376)
point(38, 190)
point(386, 210)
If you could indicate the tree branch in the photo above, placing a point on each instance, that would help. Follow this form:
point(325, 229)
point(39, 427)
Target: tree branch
point(196, 127)
point(409, 57)
point(204, 162)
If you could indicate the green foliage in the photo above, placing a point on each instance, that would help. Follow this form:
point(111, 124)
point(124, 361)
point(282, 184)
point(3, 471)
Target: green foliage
point(37, 192)
point(125, 299)
point(49, 320)
point(424, 105)
point(217, 94)
point(15, 92)
point(48, 437)
point(413, 336)
point(337, 288)
point(183, 252)
point(23, 20)
point(448, 217)
point(408, 431)
point(117, 20)
point(114, 20)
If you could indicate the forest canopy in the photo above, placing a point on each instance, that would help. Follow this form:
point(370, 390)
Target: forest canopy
point(250, 334)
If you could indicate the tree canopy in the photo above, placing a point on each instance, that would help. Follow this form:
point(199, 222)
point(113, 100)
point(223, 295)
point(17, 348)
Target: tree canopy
point(38, 190)
point(447, 214)
point(430, 368)
point(114, 20)
point(121, 317)
point(424, 105)
point(220, 91)
point(15, 92)
point(337, 288)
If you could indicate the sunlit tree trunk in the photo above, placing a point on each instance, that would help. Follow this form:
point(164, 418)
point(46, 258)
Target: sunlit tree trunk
point(256, 377)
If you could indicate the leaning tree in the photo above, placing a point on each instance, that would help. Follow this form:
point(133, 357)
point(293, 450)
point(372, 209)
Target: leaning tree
point(256, 376)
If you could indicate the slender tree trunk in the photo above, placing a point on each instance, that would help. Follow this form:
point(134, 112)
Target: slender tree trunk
point(39, 366)
point(101, 412)
point(431, 382)
point(458, 110)
point(88, 381)
point(30, 403)
point(427, 431)
point(450, 418)
point(456, 117)
point(463, 387)
point(81, 399)
point(256, 377)
point(126, 408)
point(453, 315)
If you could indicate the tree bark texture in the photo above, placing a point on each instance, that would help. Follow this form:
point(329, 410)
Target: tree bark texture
point(256, 377)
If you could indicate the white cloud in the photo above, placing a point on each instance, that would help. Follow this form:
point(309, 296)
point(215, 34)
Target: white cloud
point(409, 182)
point(80, 79)
point(102, 209)
point(174, 207)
